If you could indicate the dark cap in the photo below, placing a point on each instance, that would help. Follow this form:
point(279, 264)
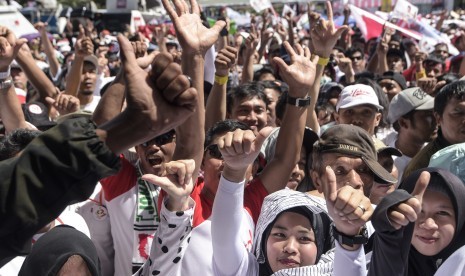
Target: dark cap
point(354, 141)
point(395, 52)
point(397, 77)
point(36, 113)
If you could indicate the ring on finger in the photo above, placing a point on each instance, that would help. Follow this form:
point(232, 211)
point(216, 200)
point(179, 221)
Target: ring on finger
point(189, 79)
point(362, 208)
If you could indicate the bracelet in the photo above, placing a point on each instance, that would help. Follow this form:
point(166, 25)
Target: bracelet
point(420, 75)
point(4, 75)
point(221, 80)
point(323, 61)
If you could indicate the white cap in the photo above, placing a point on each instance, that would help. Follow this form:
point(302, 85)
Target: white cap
point(357, 94)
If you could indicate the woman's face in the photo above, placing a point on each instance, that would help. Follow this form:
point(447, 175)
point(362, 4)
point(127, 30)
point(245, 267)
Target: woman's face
point(435, 226)
point(291, 242)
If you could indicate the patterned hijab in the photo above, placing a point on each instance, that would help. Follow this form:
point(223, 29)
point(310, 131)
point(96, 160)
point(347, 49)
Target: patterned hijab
point(290, 201)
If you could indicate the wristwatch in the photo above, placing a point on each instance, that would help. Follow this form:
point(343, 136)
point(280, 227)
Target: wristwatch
point(301, 102)
point(5, 75)
point(361, 238)
point(6, 83)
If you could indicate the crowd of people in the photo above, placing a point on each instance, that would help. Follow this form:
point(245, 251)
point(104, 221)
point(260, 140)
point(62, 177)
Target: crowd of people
point(193, 150)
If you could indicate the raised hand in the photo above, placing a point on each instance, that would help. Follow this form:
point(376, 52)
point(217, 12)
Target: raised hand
point(9, 47)
point(176, 182)
point(240, 148)
point(300, 75)
point(64, 103)
point(225, 60)
point(84, 46)
point(156, 102)
point(383, 45)
point(251, 41)
point(195, 38)
point(407, 211)
point(349, 208)
point(345, 64)
point(324, 34)
point(41, 27)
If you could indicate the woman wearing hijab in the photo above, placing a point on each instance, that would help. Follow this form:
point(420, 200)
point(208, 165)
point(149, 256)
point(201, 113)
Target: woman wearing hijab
point(61, 251)
point(420, 247)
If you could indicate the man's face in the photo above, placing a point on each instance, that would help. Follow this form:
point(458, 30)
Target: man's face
point(433, 69)
point(349, 170)
point(395, 63)
point(365, 116)
point(19, 78)
point(452, 121)
point(88, 78)
point(435, 226)
point(251, 111)
point(273, 97)
point(298, 173)
point(154, 154)
point(212, 166)
point(358, 62)
point(390, 87)
point(423, 126)
point(441, 50)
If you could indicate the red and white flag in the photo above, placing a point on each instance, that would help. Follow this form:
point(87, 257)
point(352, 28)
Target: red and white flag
point(371, 25)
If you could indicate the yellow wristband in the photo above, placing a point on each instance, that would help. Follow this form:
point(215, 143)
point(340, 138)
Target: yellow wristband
point(421, 74)
point(323, 61)
point(221, 80)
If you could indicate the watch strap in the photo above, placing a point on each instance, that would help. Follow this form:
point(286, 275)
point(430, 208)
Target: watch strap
point(6, 83)
point(5, 75)
point(361, 238)
point(300, 102)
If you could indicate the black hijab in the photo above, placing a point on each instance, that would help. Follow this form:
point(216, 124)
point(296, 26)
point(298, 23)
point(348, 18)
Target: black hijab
point(54, 248)
point(422, 265)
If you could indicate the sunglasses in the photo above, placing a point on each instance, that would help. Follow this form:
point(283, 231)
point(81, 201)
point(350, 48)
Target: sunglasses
point(214, 151)
point(357, 58)
point(161, 139)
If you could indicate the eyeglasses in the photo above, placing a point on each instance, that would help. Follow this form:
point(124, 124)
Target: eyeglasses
point(161, 139)
point(214, 151)
point(357, 58)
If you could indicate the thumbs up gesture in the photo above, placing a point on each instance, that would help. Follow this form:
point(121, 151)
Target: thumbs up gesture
point(349, 208)
point(407, 211)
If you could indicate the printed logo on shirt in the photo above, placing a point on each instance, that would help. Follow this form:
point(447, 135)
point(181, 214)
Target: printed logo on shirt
point(100, 212)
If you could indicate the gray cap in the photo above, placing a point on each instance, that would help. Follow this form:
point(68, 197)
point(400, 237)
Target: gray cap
point(407, 100)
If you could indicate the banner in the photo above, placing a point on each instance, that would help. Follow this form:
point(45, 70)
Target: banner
point(260, 5)
point(405, 10)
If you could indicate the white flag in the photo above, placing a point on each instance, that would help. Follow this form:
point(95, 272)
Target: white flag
point(259, 5)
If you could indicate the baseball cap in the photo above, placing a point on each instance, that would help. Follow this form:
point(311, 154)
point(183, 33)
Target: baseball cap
point(397, 77)
point(451, 158)
point(354, 141)
point(36, 113)
point(382, 148)
point(357, 94)
point(407, 100)
point(269, 146)
point(92, 59)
